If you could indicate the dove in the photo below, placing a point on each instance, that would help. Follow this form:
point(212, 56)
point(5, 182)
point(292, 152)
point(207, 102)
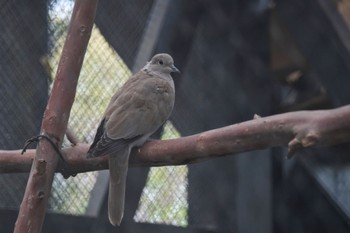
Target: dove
point(134, 113)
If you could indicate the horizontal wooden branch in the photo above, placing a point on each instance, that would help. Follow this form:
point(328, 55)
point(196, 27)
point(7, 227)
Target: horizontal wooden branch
point(295, 130)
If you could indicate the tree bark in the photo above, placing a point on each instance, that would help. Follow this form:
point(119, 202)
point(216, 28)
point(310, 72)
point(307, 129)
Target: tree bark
point(295, 129)
point(54, 125)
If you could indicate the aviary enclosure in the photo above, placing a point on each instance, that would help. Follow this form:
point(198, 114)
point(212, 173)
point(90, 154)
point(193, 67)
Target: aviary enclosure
point(261, 81)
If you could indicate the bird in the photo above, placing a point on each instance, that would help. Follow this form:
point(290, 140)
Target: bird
point(139, 108)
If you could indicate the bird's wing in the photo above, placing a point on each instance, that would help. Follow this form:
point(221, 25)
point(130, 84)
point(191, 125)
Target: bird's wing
point(141, 108)
point(99, 134)
point(103, 145)
point(107, 146)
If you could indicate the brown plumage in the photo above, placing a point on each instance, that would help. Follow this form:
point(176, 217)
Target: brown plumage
point(135, 112)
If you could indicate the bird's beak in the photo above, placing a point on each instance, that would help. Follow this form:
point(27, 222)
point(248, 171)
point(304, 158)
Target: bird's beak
point(174, 69)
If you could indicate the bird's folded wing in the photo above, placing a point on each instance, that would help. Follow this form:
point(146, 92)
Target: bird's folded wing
point(108, 146)
point(141, 110)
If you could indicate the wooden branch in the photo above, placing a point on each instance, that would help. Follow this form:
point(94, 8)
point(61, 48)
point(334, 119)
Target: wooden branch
point(33, 207)
point(295, 129)
point(72, 138)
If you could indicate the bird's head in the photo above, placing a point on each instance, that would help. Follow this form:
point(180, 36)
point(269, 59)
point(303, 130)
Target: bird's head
point(162, 63)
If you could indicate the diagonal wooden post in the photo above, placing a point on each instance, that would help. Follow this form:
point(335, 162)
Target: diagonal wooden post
point(33, 207)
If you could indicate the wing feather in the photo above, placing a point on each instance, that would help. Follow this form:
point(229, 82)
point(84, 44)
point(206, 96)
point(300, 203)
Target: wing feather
point(141, 109)
point(108, 146)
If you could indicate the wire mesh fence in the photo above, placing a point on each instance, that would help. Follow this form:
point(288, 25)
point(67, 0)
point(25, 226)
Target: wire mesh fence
point(228, 59)
point(164, 198)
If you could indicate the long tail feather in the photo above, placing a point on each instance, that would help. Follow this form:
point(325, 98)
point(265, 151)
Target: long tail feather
point(118, 168)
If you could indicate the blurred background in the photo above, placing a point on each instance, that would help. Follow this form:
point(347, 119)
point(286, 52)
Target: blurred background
point(238, 58)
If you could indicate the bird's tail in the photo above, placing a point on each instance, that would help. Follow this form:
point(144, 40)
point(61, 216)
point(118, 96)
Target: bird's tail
point(118, 168)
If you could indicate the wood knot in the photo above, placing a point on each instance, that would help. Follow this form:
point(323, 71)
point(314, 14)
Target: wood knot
point(41, 195)
point(82, 30)
point(41, 167)
point(256, 116)
point(310, 139)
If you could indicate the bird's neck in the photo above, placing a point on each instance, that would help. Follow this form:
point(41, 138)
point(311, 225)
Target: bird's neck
point(157, 73)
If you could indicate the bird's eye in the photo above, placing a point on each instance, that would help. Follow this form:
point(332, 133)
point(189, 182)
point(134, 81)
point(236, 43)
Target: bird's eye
point(160, 62)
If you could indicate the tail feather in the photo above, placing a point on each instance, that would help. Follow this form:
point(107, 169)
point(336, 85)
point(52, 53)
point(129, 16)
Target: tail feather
point(118, 168)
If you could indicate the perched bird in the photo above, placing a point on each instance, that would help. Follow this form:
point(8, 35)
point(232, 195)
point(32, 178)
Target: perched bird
point(135, 112)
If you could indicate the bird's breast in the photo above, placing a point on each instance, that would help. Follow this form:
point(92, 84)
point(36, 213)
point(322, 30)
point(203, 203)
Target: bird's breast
point(161, 90)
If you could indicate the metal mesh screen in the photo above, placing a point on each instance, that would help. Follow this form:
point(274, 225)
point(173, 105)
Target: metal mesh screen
point(164, 199)
point(23, 38)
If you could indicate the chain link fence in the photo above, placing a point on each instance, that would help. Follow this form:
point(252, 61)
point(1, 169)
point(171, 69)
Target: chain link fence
point(164, 198)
